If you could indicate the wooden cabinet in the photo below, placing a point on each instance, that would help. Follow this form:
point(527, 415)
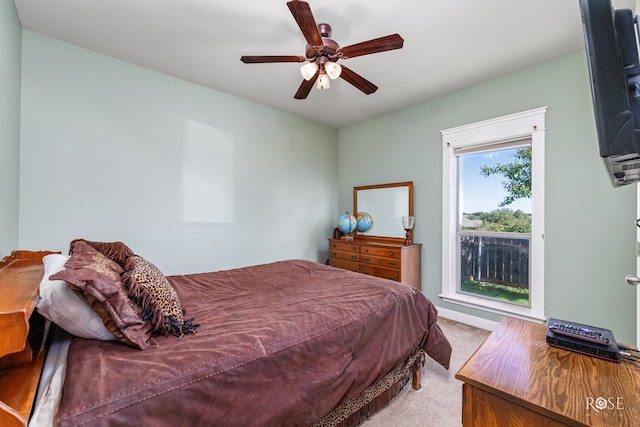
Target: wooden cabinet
point(516, 379)
point(393, 261)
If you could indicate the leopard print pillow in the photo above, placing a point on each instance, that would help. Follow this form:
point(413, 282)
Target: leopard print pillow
point(153, 293)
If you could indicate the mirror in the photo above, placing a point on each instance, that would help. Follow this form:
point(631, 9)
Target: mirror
point(387, 204)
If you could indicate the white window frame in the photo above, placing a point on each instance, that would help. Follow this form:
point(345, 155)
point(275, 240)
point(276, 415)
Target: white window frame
point(527, 124)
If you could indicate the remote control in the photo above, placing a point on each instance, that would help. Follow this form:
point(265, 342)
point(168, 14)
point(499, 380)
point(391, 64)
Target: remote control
point(581, 333)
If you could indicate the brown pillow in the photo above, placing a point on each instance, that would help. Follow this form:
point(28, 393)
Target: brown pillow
point(115, 251)
point(158, 300)
point(99, 279)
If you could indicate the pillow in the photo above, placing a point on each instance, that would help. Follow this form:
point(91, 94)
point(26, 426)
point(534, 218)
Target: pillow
point(158, 300)
point(67, 308)
point(99, 279)
point(115, 251)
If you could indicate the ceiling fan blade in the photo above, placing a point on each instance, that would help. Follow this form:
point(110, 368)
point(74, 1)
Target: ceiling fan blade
point(391, 42)
point(305, 87)
point(304, 17)
point(272, 58)
point(358, 81)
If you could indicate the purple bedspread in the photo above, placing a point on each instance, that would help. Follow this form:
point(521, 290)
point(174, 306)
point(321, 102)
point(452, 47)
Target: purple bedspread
point(279, 344)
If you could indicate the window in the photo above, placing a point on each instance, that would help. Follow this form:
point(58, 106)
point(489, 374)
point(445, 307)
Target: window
point(493, 215)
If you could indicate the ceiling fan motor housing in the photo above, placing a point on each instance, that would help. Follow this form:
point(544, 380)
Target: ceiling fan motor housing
point(329, 46)
point(325, 29)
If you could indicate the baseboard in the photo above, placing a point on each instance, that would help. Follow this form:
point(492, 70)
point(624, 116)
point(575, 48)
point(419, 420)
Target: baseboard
point(467, 319)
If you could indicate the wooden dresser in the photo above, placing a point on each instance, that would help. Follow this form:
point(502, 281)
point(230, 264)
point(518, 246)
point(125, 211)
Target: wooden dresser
point(516, 379)
point(378, 258)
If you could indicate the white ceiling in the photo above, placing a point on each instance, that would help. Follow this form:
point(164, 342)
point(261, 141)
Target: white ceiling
point(449, 44)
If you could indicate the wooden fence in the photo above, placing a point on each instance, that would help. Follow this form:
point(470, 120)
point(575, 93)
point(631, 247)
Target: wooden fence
point(496, 260)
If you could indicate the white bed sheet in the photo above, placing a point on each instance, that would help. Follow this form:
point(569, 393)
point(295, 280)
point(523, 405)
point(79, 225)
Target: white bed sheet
point(50, 387)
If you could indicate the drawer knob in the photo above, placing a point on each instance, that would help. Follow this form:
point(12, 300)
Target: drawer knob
point(365, 259)
point(333, 254)
point(391, 253)
point(354, 257)
point(392, 264)
point(366, 250)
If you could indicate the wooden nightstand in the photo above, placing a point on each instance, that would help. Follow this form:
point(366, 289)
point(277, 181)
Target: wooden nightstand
point(22, 351)
point(516, 379)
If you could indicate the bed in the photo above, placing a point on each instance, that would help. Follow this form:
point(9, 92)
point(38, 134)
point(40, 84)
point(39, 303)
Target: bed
point(289, 343)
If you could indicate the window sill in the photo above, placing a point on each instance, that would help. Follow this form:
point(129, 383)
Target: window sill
point(511, 310)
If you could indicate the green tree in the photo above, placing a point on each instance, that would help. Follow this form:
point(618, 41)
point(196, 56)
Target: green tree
point(506, 219)
point(517, 173)
point(502, 220)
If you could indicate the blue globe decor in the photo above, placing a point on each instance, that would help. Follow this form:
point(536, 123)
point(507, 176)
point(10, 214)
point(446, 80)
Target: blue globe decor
point(347, 223)
point(365, 222)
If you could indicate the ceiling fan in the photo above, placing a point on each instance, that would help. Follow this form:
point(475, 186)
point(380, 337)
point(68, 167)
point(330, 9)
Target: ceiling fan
point(322, 54)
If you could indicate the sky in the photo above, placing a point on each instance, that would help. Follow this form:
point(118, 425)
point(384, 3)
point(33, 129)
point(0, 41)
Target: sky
point(484, 194)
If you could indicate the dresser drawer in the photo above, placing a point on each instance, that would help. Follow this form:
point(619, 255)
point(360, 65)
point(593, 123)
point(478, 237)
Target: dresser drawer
point(344, 264)
point(344, 247)
point(389, 260)
point(379, 251)
point(349, 256)
point(382, 262)
point(385, 273)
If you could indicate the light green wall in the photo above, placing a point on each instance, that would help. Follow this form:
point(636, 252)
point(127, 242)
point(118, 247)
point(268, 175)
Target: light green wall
point(10, 54)
point(590, 231)
point(112, 151)
point(102, 142)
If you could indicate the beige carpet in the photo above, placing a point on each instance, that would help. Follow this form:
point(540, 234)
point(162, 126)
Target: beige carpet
point(439, 402)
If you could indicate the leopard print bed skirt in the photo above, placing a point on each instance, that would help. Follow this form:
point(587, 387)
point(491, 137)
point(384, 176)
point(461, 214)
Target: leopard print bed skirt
point(373, 398)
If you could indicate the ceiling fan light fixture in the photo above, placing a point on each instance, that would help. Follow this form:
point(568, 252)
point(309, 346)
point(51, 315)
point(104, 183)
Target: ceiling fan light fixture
point(323, 82)
point(333, 70)
point(308, 70)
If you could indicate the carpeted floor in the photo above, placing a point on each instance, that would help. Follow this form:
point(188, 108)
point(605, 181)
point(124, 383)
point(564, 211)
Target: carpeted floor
point(439, 402)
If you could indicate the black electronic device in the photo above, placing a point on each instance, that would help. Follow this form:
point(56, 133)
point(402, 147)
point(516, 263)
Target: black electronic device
point(614, 68)
point(585, 339)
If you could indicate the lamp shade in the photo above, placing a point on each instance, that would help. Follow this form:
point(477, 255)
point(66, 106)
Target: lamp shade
point(333, 69)
point(308, 70)
point(323, 82)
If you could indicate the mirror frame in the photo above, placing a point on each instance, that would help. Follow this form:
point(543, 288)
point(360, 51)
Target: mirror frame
point(408, 184)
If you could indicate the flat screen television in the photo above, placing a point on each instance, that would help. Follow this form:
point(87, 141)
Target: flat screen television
point(614, 68)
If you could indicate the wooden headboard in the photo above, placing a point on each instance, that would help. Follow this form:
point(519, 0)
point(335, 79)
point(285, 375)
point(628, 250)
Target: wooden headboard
point(23, 335)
